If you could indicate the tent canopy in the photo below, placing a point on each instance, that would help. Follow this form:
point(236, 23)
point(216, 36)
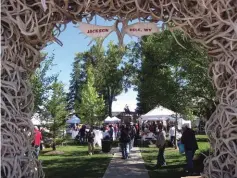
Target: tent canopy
point(182, 122)
point(112, 120)
point(35, 119)
point(158, 113)
point(107, 118)
point(73, 120)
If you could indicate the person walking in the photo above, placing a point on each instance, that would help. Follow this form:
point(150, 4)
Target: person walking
point(160, 143)
point(190, 145)
point(124, 142)
point(91, 137)
point(37, 141)
point(172, 135)
point(132, 136)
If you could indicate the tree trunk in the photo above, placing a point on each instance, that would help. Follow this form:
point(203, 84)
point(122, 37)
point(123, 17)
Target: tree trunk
point(54, 135)
point(110, 107)
point(110, 101)
point(54, 145)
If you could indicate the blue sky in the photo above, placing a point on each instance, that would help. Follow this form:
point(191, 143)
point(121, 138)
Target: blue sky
point(74, 42)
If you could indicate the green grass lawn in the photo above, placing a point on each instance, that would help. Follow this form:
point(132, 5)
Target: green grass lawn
point(74, 163)
point(175, 161)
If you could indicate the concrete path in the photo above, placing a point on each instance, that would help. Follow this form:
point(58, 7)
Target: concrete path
point(131, 168)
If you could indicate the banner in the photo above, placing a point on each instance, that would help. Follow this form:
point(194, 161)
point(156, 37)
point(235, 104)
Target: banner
point(141, 29)
point(95, 31)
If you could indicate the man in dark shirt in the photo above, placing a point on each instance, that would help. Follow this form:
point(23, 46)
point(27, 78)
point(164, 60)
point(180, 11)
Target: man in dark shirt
point(190, 144)
point(124, 141)
point(82, 134)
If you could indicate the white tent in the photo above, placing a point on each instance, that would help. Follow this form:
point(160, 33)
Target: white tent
point(158, 113)
point(182, 122)
point(107, 119)
point(112, 120)
point(36, 119)
point(116, 119)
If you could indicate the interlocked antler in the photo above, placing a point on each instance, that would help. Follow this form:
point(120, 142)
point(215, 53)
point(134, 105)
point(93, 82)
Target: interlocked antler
point(27, 26)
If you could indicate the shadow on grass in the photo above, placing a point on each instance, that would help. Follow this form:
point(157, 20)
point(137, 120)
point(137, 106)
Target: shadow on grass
point(87, 167)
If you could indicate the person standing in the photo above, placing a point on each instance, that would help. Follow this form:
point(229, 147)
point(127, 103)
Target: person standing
point(172, 135)
point(82, 134)
point(91, 137)
point(37, 141)
point(124, 142)
point(190, 145)
point(137, 129)
point(116, 131)
point(160, 143)
point(111, 132)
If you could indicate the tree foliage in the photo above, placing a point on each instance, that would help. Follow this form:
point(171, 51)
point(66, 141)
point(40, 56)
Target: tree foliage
point(76, 82)
point(92, 106)
point(55, 109)
point(41, 82)
point(49, 97)
point(109, 72)
point(171, 76)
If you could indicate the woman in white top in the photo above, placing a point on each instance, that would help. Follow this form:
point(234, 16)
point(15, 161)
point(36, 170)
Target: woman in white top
point(172, 135)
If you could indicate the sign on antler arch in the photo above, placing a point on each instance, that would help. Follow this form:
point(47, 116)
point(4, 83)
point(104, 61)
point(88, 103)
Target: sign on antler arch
point(138, 29)
point(141, 29)
point(95, 31)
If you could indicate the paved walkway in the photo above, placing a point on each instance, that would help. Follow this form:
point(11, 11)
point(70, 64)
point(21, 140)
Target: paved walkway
point(132, 168)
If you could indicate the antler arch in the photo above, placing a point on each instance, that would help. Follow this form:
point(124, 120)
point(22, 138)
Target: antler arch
point(27, 26)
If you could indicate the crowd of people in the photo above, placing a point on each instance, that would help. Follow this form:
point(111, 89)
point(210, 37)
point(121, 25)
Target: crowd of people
point(126, 133)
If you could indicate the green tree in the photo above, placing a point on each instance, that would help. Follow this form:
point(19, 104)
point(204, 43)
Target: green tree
point(109, 72)
point(170, 75)
point(55, 109)
point(78, 78)
point(41, 82)
point(92, 106)
point(110, 75)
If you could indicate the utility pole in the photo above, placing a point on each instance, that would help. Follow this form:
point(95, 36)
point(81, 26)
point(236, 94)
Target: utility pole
point(176, 114)
point(175, 131)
